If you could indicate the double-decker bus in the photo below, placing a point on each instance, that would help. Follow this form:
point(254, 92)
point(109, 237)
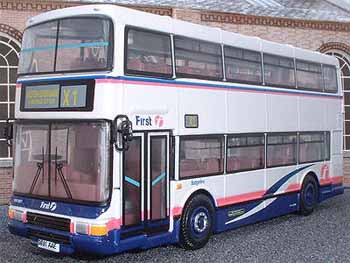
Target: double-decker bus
point(134, 130)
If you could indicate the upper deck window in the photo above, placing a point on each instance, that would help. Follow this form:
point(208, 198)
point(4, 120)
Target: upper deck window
point(242, 65)
point(279, 71)
point(148, 53)
point(197, 59)
point(330, 78)
point(67, 45)
point(309, 75)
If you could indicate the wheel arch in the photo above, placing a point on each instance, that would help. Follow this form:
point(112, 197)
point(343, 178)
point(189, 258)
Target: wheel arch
point(200, 191)
point(312, 174)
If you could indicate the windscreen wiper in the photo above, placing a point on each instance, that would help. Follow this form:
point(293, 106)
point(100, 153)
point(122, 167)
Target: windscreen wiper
point(58, 169)
point(40, 168)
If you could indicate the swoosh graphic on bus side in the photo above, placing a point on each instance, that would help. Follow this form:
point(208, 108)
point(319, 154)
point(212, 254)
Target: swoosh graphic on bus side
point(253, 211)
point(273, 189)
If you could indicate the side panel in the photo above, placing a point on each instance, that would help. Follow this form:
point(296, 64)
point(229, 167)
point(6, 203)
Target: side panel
point(210, 105)
point(151, 106)
point(246, 112)
point(282, 108)
point(244, 186)
point(312, 114)
point(333, 114)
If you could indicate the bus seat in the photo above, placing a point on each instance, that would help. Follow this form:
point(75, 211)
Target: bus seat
point(135, 64)
point(213, 165)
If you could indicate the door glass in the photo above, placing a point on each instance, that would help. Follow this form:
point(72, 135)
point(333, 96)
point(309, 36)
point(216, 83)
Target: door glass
point(158, 178)
point(132, 183)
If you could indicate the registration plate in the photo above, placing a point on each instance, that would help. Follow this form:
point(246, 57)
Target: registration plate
point(48, 245)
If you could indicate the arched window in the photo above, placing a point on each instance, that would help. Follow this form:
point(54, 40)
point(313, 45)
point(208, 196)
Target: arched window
point(344, 61)
point(9, 53)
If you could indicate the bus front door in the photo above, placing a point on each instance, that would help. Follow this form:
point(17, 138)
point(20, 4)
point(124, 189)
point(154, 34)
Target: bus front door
point(146, 184)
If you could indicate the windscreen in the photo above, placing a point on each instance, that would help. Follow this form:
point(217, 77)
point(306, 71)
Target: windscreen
point(63, 160)
point(67, 45)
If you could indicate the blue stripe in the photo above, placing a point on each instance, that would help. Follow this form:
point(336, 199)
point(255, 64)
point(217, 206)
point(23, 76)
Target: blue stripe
point(158, 179)
point(38, 48)
point(273, 189)
point(90, 44)
point(132, 181)
point(188, 83)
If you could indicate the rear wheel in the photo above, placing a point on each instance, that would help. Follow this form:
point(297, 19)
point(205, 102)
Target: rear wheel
point(197, 222)
point(308, 196)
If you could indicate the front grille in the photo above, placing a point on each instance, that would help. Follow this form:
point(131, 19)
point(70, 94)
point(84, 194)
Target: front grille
point(58, 223)
point(49, 236)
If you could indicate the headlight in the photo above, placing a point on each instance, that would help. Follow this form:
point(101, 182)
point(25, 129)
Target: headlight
point(17, 215)
point(95, 229)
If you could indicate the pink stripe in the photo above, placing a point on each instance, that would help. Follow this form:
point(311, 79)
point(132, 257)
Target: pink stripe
point(240, 198)
point(193, 86)
point(292, 188)
point(177, 211)
point(337, 179)
point(326, 181)
point(113, 224)
point(109, 81)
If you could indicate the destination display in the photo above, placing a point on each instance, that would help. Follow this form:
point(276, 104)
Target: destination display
point(73, 96)
point(42, 97)
point(65, 96)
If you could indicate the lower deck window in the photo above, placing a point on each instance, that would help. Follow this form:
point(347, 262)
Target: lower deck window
point(314, 146)
point(200, 156)
point(281, 149)
point(245, 153)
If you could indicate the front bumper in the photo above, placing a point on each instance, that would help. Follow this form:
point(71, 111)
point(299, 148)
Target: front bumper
point(99, 245)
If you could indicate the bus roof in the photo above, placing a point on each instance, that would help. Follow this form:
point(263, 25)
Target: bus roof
point(127, 16)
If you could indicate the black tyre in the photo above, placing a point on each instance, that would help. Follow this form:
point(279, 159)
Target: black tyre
point(197, 222)
point(308, 196)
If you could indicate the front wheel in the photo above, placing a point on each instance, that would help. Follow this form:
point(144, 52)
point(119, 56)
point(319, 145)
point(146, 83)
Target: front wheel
point(197, 222)
point(308, 196)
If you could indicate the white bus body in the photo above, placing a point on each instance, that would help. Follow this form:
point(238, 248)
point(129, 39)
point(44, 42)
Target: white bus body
point(185, 122)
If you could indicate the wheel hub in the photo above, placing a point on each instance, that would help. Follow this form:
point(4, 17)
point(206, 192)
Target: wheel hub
point(310, 195)
point(200, 222)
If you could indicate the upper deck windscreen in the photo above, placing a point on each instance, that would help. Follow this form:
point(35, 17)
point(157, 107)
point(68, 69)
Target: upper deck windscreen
point(67, 45)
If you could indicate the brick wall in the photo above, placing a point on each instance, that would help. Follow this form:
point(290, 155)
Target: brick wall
point(347, 169)
point(5, 185)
